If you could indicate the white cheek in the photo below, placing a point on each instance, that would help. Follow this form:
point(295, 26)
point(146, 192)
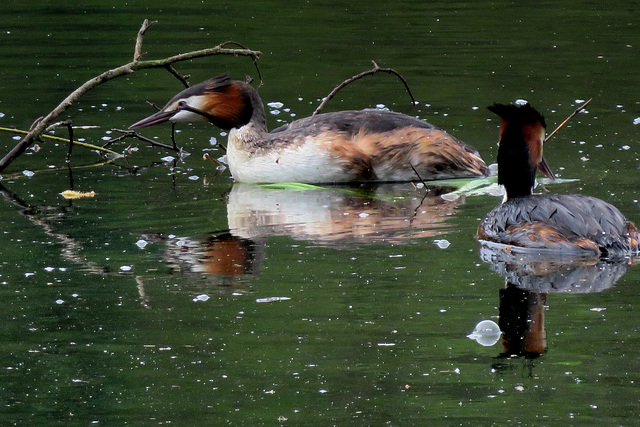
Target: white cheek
point(188, 116)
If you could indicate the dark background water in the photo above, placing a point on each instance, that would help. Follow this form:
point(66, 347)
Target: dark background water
point(337, 308)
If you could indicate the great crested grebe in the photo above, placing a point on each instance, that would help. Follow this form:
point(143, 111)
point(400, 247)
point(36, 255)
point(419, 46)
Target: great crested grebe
point(561, 222)
point(345, 146)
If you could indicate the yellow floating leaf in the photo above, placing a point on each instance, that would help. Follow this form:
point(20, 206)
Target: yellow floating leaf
point(71, 194)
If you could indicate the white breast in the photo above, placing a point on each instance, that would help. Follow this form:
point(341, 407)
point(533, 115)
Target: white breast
point(188, 116)
point(308, 162)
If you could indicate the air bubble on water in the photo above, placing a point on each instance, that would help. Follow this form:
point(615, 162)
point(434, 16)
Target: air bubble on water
point(442, 243)
point(486, 333)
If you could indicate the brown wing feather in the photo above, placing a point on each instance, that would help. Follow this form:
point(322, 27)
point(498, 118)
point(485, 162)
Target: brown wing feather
point(433, 153)
point(385, 145)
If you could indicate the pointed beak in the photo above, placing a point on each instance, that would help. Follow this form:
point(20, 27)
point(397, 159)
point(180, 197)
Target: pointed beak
point(159, 117)
point(544, 167)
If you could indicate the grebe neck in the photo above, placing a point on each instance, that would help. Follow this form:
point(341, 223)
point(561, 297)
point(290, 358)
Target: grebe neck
point(522, 131)
point(515, 171)
point(257, 121)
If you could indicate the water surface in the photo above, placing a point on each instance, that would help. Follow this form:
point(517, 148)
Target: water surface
point(175, 296)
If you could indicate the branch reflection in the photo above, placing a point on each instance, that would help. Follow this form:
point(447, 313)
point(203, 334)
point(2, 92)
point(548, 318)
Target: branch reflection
point(47, 217)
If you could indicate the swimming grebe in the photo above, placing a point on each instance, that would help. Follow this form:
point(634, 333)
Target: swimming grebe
point(345, 146)
point(561, 222)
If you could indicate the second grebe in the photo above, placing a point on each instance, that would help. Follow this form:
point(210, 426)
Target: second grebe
point(561, 222)
point(345, 146)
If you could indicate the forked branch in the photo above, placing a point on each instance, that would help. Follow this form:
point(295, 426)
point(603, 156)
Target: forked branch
point(375, 69)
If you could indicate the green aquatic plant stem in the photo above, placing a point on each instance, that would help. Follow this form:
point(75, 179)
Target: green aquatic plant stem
point(65, 140)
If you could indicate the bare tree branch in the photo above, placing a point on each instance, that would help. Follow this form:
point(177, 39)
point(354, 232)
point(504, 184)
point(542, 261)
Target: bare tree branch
point(137, 52)
point(375, 69)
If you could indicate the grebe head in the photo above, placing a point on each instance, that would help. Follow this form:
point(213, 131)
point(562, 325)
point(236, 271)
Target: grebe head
point(520, 152)
point(224, 102)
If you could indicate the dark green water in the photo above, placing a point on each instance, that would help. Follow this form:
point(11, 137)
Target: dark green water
point(337, 307)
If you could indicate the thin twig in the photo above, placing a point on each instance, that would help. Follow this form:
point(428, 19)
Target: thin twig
point(418, 175)
point(255, 59)
point(580, 108)
point(126, 133)
point(371, 72)
point(173, 136)
point(216, 162)
point(67, 124)
point(137, 52)
point(123, 70)
point(70, 130)
point(153, 105)
point(55, 125)
point(177, 75)
point(424, 184)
